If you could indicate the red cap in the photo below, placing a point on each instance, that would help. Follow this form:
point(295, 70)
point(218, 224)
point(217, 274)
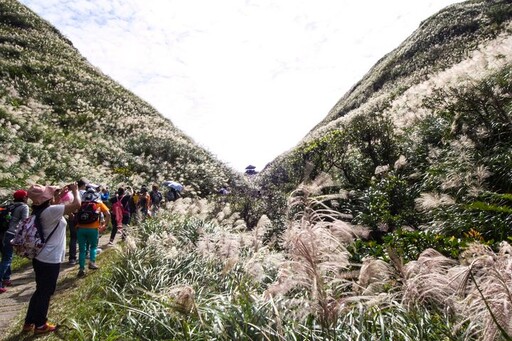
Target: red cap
point(20, 194)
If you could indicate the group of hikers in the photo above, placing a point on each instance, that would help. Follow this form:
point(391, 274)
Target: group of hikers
point(86, 210)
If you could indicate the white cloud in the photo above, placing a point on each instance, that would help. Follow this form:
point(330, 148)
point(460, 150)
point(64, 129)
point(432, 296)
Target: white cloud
point(245, 79)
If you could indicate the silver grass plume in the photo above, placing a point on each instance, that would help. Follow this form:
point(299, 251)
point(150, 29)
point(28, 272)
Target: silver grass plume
point(429, 201)
point(316, 257)
point(426, 281)
point(373, 276)
point(488, 302)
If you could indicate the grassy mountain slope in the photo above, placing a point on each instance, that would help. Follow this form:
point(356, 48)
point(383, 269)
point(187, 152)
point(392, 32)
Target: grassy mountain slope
point(424, 139)
point(394, 214)
point(62, 118)
point(440, 42)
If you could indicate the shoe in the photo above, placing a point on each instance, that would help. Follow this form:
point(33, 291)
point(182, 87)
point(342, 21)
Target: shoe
point(93, 266)
point(98, 251)
point(81, 273)
point(6, 283)
point(28, 327)
point(2, 290)
point(46, 328)
point(110, 243)
point(72, 262)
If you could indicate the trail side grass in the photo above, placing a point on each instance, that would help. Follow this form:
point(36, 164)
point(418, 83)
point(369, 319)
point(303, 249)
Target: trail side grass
point(178, 277)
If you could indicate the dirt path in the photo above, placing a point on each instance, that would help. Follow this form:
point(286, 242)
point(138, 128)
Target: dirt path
point(13, 303)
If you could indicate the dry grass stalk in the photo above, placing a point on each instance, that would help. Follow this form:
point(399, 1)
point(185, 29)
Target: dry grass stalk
point(316, 258)
point(477, 290)
point(373, 276)
point(488, 303)
point(426, 280)
point(182, 299)
point(429, 201)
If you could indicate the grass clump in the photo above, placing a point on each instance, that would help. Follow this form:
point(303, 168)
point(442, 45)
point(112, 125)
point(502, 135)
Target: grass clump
point(178, 277)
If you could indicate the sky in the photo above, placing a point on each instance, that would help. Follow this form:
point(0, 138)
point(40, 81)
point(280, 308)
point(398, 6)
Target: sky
point(245, 79)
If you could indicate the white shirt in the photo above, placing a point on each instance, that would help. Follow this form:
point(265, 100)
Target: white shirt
point(55, 249)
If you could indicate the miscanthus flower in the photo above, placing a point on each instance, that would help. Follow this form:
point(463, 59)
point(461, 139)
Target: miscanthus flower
point(429, 201)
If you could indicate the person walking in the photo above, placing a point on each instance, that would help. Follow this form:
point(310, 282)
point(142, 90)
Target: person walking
point(89, 229)
point(156, 199)
point(71, 220)
point(49, 217)
point(19, 213)
point(105, 195)
point(143, 203)
point(120, 213)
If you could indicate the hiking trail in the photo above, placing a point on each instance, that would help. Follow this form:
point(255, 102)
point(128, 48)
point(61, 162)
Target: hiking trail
point(14, 301)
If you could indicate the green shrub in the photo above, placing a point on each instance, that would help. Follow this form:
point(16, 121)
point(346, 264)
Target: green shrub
point(489, 215)
point(410, 244)
point(388, 203)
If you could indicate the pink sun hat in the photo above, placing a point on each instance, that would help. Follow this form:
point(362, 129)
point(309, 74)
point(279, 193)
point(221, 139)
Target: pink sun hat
point(39, 193)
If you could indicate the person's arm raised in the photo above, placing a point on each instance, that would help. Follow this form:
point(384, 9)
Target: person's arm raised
point(77, 201)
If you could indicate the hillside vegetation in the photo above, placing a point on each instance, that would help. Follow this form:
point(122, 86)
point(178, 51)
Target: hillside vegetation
point(61, 118)
point(423, 141)
point(390, 220)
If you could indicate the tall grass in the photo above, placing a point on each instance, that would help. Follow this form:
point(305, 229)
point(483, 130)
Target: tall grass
point(178, 277)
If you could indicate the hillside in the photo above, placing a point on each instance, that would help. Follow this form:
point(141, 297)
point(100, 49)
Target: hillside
point(456, 35)
point(61, 118)
point(390, 220)
point(424, 139)
point(430, 121)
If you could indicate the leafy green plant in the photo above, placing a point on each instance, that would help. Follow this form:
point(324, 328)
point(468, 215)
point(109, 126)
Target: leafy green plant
point(388, 202)
point(410, 244)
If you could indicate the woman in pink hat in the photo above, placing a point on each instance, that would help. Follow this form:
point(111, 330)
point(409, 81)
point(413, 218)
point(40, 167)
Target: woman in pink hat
point(19, 212)
point(49, 217)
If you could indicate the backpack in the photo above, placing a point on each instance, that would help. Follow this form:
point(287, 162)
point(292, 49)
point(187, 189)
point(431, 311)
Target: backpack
point(143, 200)
point(87, 214)
point(172, 194)
point(119, 210)
point(29, 240)
point(132, 206)
point(156, 197)
point(6, 215)
point(169, 196)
